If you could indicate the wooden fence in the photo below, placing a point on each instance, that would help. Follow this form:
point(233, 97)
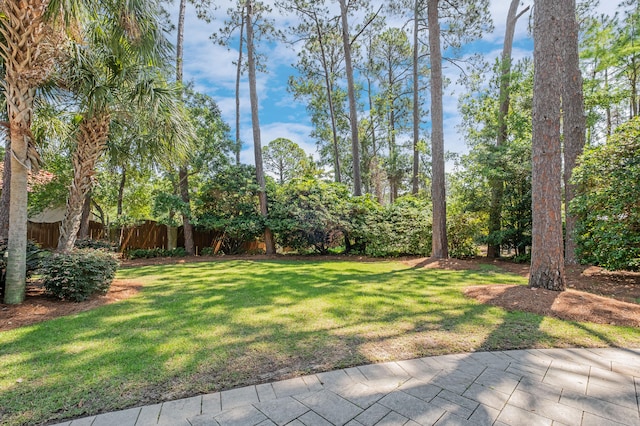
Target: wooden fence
point(148, 235)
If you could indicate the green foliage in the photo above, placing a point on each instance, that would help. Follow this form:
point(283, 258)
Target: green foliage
point(77, 275)
point(401, 228)
point(507, 166)
point(310, 213)
point(165, 207)
point(285, 159)
point(88, 243)
point(607, 203)
point(155, 252)
point(228, 203)
point(463, 231)
point(206, 251)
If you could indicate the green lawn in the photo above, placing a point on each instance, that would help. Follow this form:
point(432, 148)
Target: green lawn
point(204, 327)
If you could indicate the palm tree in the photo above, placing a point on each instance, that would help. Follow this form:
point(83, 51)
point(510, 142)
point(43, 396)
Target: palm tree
point(113, 72)
point(28, 50)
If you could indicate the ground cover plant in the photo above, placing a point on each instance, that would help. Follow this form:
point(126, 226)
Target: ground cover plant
point(203, 327)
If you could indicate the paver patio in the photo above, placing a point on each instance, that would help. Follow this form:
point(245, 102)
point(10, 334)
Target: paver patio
point(522, 387)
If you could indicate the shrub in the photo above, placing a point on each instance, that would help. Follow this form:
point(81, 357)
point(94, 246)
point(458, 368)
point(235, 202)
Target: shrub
point(308, 213)
point(228, 204)
point(401, 228)
point(88, 243)
point(77, 275)
point(463, 229)
point(206, 251)
point(155, 252)
point(606, 205)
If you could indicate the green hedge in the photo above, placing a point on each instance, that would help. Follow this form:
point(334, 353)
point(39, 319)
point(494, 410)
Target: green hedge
point(77, 275)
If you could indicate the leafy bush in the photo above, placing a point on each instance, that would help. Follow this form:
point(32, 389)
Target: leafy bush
point(606, 205)
point(34, 256)
point(206, 251)
point(228, 203)
point(401, 228)
point(88, 243)
point(463, 229)
point(155, 252)
point(77, 275)
point(310, 213)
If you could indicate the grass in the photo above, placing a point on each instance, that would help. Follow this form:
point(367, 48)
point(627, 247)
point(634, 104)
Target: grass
point(204, 327)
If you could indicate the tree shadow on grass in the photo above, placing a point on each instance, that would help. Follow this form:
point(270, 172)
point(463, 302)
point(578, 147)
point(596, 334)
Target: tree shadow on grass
point(208, 327)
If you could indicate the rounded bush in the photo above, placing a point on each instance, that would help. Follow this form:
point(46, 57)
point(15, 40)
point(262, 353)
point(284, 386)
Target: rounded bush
point(77, 275)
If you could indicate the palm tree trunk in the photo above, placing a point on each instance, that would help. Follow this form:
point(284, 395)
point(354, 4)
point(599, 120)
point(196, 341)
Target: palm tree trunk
point(91, 143)
point(6, 191)
point(22, 50)
point(83, 232)
point(20, 111)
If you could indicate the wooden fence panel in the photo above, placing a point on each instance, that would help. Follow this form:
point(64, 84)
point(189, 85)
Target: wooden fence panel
point(148, 235)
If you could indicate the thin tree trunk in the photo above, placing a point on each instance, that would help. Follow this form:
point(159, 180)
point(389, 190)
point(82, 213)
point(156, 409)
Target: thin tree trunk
point(123, 181)
point(238, 146)
point(6, 191)
point(189, 245)
point(415, 185)
point(91, 143)
point(83, 232)
point(255, 121)
point(375, 166)
point(547, 254)
point(332, 113)
point(496, 184)
point(183, 170)
point(353, 107)
point(439, 239)
point(574, 123)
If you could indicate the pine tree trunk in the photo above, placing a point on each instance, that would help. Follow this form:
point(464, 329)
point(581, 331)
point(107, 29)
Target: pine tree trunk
point(183, 172)
point(438, 195)
point(353, 107)
point(547, 254)
point(415, 184)
point(91, 143)
point(270, 247)
point(6, 191)
point(574, 123)
point(238, 146)
point(496, 184)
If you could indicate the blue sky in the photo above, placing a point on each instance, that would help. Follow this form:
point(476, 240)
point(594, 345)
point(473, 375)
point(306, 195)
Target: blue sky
point(210, 67)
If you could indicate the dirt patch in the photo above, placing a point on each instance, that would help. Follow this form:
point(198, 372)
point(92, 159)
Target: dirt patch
point(569, 305)
point(39, 307)
point(594, 295)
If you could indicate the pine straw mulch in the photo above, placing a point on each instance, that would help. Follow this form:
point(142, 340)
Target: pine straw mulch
point(593, 294)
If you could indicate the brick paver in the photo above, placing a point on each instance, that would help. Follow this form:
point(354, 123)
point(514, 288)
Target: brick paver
point(579, 387)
